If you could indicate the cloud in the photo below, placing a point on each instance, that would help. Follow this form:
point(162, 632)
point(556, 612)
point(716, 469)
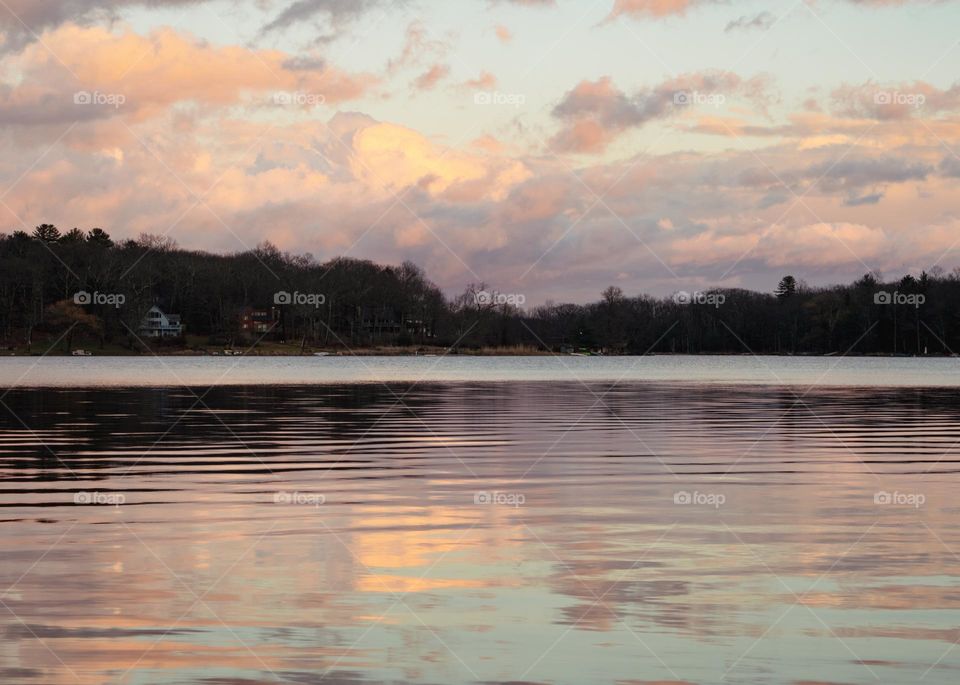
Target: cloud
point(896, 3)
point(393, 158)
point(320, 186)
point(138, 77)
point(489, 144)
point(815, 130)
point(418, 46)
point(654, 9)
point(821, 244)
point(594, 113)
point(855, 177)
point(852, 174)
point(430, 78)
point(485, 81)
point(763, 21)
point(23, 20)
point(950, 166)
point(859, 201)
point(335, 12)
point(900, 101)
point(304, 63)
point(659, 9)
point(780, 245)
point(314, 179)
point(528, 3)
point(308, 186)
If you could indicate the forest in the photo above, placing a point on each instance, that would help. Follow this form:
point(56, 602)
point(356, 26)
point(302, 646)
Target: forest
point(61, 289)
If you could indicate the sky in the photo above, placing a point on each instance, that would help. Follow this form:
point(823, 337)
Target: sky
point(546, 148)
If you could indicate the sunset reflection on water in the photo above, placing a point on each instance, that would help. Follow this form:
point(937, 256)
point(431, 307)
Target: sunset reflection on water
point(480, 533)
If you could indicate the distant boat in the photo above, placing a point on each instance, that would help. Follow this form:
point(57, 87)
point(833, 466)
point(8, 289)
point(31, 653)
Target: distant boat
point(321, 354)
point(81, 353)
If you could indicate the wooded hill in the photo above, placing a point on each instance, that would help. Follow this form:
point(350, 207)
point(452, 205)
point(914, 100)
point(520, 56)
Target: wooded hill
point(351, 303)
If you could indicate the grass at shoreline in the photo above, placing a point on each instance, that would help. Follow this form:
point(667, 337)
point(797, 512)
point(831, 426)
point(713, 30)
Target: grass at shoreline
point(294, 350)
point(198, 346)
point(267, 349)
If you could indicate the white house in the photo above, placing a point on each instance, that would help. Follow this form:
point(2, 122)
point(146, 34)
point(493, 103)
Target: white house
point(158, 324)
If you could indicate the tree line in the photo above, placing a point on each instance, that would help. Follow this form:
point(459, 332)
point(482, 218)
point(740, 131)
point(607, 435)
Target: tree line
point(83, 285)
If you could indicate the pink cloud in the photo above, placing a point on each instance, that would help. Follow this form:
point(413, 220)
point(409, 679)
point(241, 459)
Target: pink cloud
point(142, 76)
point(430, 78)
point(485, 81)
point(318, 181)
point(653, 8)
point(895, 101)
point(594, 113)
point(658, 9)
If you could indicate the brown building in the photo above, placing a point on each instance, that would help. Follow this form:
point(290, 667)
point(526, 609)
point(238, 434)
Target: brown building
point(258, 321)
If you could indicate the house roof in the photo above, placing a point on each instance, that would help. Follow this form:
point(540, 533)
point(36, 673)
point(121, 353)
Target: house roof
point(172, 318)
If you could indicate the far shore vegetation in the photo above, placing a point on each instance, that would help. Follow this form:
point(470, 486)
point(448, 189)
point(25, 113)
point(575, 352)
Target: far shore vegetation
point(81, 292)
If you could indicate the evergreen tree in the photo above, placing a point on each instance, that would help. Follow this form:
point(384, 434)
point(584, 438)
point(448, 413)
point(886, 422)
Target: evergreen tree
point(73, 236)
point(47, 233)
point(787, 287)
point(98, 236)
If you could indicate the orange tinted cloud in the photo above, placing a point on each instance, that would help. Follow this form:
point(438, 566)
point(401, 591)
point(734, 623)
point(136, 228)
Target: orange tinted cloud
point(142, 76)
point(485, 81)
point(430, 78)
point(392, 158)
point(653, 8)
point(658, 9)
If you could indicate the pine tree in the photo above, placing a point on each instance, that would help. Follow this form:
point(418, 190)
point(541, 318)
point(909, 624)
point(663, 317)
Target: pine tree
point(98, 236)
point(786, 287)
point(47, 233)
point(73, 236)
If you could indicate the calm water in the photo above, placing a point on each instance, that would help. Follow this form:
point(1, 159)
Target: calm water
point(461, 530)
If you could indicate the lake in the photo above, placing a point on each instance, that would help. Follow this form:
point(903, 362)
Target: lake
point(236, 521)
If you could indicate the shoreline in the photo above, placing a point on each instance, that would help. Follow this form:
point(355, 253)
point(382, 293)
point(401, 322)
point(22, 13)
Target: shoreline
point(436, 352)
